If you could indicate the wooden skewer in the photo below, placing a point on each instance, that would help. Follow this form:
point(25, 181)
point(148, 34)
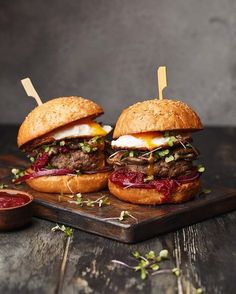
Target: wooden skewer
point(161, 80)
point(30, 90)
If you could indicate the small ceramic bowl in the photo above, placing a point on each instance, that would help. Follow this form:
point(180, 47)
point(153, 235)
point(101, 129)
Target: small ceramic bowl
point(19, 214)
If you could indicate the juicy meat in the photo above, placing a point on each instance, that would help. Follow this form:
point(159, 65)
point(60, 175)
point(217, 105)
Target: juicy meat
point(156, 165)
point(163, 169)
point(77, 160)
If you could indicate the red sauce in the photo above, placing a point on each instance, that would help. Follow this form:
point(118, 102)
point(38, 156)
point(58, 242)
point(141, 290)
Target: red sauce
point(8, 200)
point(125, 178)
point(166, 186)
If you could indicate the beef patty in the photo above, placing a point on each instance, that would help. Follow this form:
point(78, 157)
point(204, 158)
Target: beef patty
point(160, 168)
point(163, 169)
point(77, 160)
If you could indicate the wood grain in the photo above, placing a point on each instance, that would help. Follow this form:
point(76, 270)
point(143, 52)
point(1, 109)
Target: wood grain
point(205, 251)
point(30, 259)
point(90, 270)
point(208, 253)
point(150, 220)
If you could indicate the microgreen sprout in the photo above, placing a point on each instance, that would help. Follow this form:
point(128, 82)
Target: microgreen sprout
point(101, 201)
point(200, 168)
point(136, 254)
point(62, 143)
point(132, 153)
point(46, 148)
point(95, 139)
point(169, 158)
point(199, 291)
point(3, 186)
point(163, 153)
point(124, 215)
point(171, 141)
point(87, 148)
point(68, 232)
point(206, 191)
point(176, 271)
point(150, 255)
point(164, 254)
point(154, 151)
point(17, 173)
point(149, 264)
point(32, 159)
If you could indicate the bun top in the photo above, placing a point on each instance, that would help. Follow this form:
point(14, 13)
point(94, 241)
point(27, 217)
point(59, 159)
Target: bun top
point(156, 115)
point(54, 114)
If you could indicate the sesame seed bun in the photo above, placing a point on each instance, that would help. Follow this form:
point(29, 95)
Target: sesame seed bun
point(69, 184)
point(157, 115)
point(151, 196)
point(53, 114)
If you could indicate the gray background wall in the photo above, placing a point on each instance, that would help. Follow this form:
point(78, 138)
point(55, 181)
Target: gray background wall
point(109, 50)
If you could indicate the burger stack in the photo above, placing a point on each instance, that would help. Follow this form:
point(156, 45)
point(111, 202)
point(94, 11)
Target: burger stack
point(151, 158)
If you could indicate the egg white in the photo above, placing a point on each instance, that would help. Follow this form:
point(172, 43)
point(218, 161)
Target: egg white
point(80, 130)
point(129, 141)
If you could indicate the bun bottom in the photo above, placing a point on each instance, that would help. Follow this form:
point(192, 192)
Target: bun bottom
point(151, 196)
point(70, 184)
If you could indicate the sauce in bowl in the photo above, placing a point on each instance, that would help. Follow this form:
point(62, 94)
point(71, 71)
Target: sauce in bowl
point(15, 209)
point(8, 200)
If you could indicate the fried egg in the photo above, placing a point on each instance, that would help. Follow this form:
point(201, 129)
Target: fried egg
point(149, 140)
point(87, 128)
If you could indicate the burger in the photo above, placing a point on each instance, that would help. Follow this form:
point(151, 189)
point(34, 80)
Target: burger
point(66, 147)
point(153, 154)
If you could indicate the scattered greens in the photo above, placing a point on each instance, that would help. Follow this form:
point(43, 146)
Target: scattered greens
point(133, 153)
point(87, 148)
point(68, 232)
point(124, 215)
point(3, 186)
point(50, 149)
point(149, 264)
point(199, 291)
point(46, 148)
point(200, 168)
point(95, 139)
point(62, 143)
point(169, 158)
point(206, 191)
point(176, 271)
point(17, 173)
point(32, 159)
point(101, 201)
point(164, 254)
point(163, 152)
point(171, 141)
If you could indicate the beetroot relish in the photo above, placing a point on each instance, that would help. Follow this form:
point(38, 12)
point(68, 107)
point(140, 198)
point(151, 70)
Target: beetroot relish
point(41, 161)
point(7, 200)
point(125, 178)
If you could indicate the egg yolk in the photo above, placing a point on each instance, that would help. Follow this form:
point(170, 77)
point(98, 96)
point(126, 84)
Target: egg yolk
point(97, 130)
point(148, 138)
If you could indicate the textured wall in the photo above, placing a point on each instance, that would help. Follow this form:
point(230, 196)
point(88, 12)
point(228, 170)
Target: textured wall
point(109, 51)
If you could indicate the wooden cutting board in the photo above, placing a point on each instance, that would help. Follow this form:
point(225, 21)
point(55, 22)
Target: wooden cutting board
point(150, 220)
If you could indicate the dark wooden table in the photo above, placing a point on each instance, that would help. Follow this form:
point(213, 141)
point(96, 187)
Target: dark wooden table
point(31, 259)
